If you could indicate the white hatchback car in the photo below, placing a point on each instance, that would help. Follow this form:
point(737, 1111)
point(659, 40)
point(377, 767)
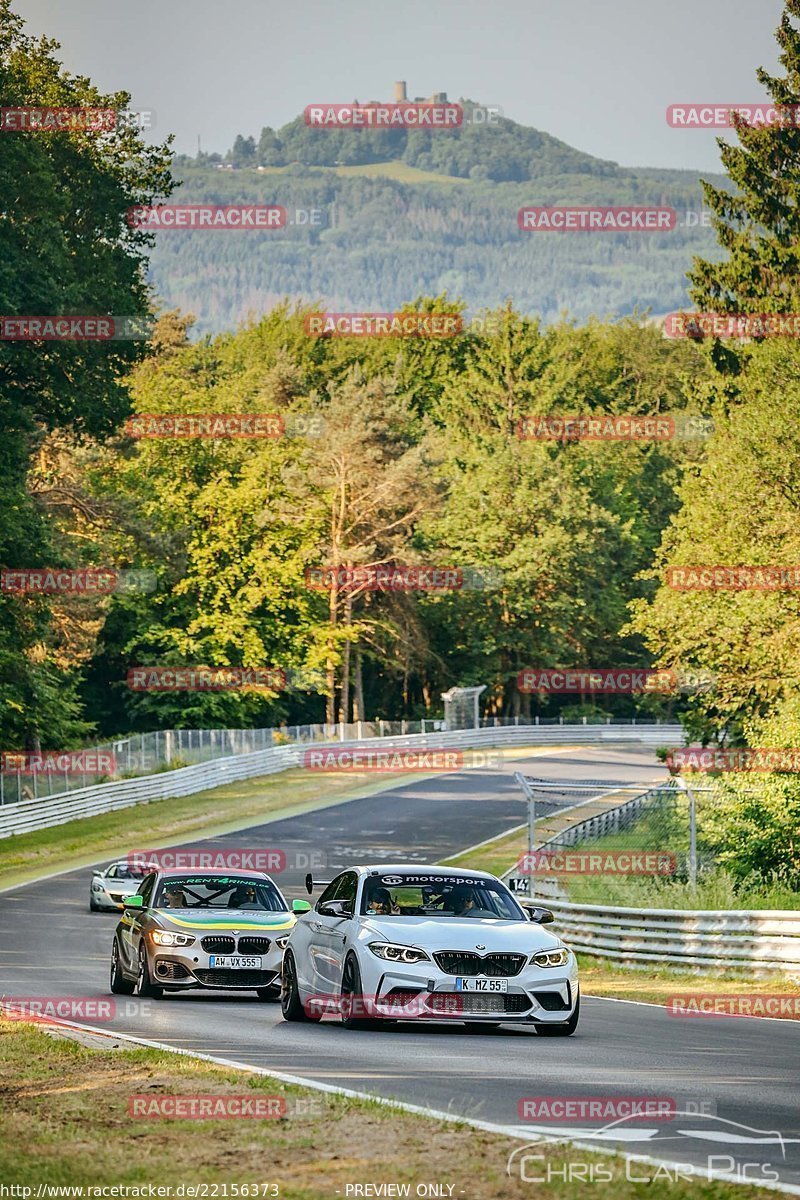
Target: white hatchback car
point(441, 943)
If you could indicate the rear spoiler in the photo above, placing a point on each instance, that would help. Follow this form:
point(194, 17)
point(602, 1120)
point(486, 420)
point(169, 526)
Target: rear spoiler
point(311, 883)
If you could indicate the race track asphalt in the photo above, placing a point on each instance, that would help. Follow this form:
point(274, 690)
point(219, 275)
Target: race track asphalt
point(734, 1070)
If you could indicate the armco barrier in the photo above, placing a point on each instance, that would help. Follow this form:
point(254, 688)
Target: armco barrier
point(756, 941)
point(27, 815)
point(753, 941)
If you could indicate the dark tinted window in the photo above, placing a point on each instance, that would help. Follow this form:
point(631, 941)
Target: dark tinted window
point(145, 889)
point(330, 890)
point(348, 887)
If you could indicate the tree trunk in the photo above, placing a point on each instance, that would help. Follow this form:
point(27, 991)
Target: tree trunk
point(344, 702)
point(358, 686)
point(330, 669)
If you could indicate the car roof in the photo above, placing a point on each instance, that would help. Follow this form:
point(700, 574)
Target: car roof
point(178, 873)
point(422, 869)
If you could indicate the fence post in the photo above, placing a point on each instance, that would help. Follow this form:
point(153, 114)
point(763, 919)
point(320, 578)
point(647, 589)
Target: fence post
point(531, 841)
point(692, 838)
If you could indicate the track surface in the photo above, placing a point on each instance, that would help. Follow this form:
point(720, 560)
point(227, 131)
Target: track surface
point(744, 1070)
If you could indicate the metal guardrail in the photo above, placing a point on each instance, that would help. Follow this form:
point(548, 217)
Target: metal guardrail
point(161, 749)
point(753, 940)
point(27, 815)
point(714, 939)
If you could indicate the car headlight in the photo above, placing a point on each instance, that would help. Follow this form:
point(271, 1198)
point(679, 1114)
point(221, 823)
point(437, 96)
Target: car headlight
point(165, 937)
point(282, 942)
point(97, 886)
point(551, 958)
point(392, 953)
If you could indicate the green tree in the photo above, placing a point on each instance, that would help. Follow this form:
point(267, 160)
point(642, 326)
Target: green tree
point(757, 221)
point(65, 248)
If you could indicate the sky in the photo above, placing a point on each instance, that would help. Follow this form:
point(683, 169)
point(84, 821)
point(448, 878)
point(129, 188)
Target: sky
point(598, 75)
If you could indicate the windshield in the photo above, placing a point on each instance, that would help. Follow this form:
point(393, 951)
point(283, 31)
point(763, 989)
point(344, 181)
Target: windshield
point(218, 891)
point(428, 895)
point(125, 870)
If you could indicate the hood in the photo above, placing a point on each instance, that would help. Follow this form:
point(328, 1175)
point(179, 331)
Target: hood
point(221, 922)
point(463, 933)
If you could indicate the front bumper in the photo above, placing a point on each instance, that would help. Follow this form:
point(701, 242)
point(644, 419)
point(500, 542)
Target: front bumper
point(110, 900)
point(183, 967)
point(538, 995)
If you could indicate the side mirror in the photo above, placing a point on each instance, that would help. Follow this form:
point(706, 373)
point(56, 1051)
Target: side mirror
point(96, 874)
point(336, 908)
point(133, 902)
point(541, 916)
point(300, 906)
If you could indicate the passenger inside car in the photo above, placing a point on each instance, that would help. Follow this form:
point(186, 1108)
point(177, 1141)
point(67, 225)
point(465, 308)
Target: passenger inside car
point(381, 904)
point(244, 897)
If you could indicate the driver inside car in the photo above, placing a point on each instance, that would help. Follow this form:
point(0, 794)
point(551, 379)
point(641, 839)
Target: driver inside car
point(176, 897)
point(462, 899)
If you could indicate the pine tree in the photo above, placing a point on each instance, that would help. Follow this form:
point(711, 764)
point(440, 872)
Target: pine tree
point(758, 223)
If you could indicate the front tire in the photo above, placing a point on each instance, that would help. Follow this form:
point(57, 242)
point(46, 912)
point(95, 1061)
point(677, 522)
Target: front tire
point(120, 986)
point(565, 1029)
point(291, 1005)
point(352, 988)
point(144, 986)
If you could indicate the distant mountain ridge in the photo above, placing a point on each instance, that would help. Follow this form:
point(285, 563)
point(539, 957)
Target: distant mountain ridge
point(384, 233)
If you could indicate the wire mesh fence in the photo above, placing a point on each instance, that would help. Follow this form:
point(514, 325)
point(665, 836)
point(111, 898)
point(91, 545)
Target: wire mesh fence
point(582, 836)
point(30, 776)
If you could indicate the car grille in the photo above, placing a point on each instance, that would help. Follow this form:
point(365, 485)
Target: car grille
point(218, 944)
point(116, 897)
point(464, 1003)
point(171, 970)
point(465, 962)
point(221, 977)
point(254, 945)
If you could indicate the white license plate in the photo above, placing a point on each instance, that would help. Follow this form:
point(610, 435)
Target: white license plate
point(481, 985)
point(235, 962)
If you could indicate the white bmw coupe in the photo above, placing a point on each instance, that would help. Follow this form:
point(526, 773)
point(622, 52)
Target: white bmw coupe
point(438, 943)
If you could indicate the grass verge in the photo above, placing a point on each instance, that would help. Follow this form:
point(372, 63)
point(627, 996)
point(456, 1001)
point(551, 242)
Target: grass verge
point(656, 985)
point(65, 1122)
